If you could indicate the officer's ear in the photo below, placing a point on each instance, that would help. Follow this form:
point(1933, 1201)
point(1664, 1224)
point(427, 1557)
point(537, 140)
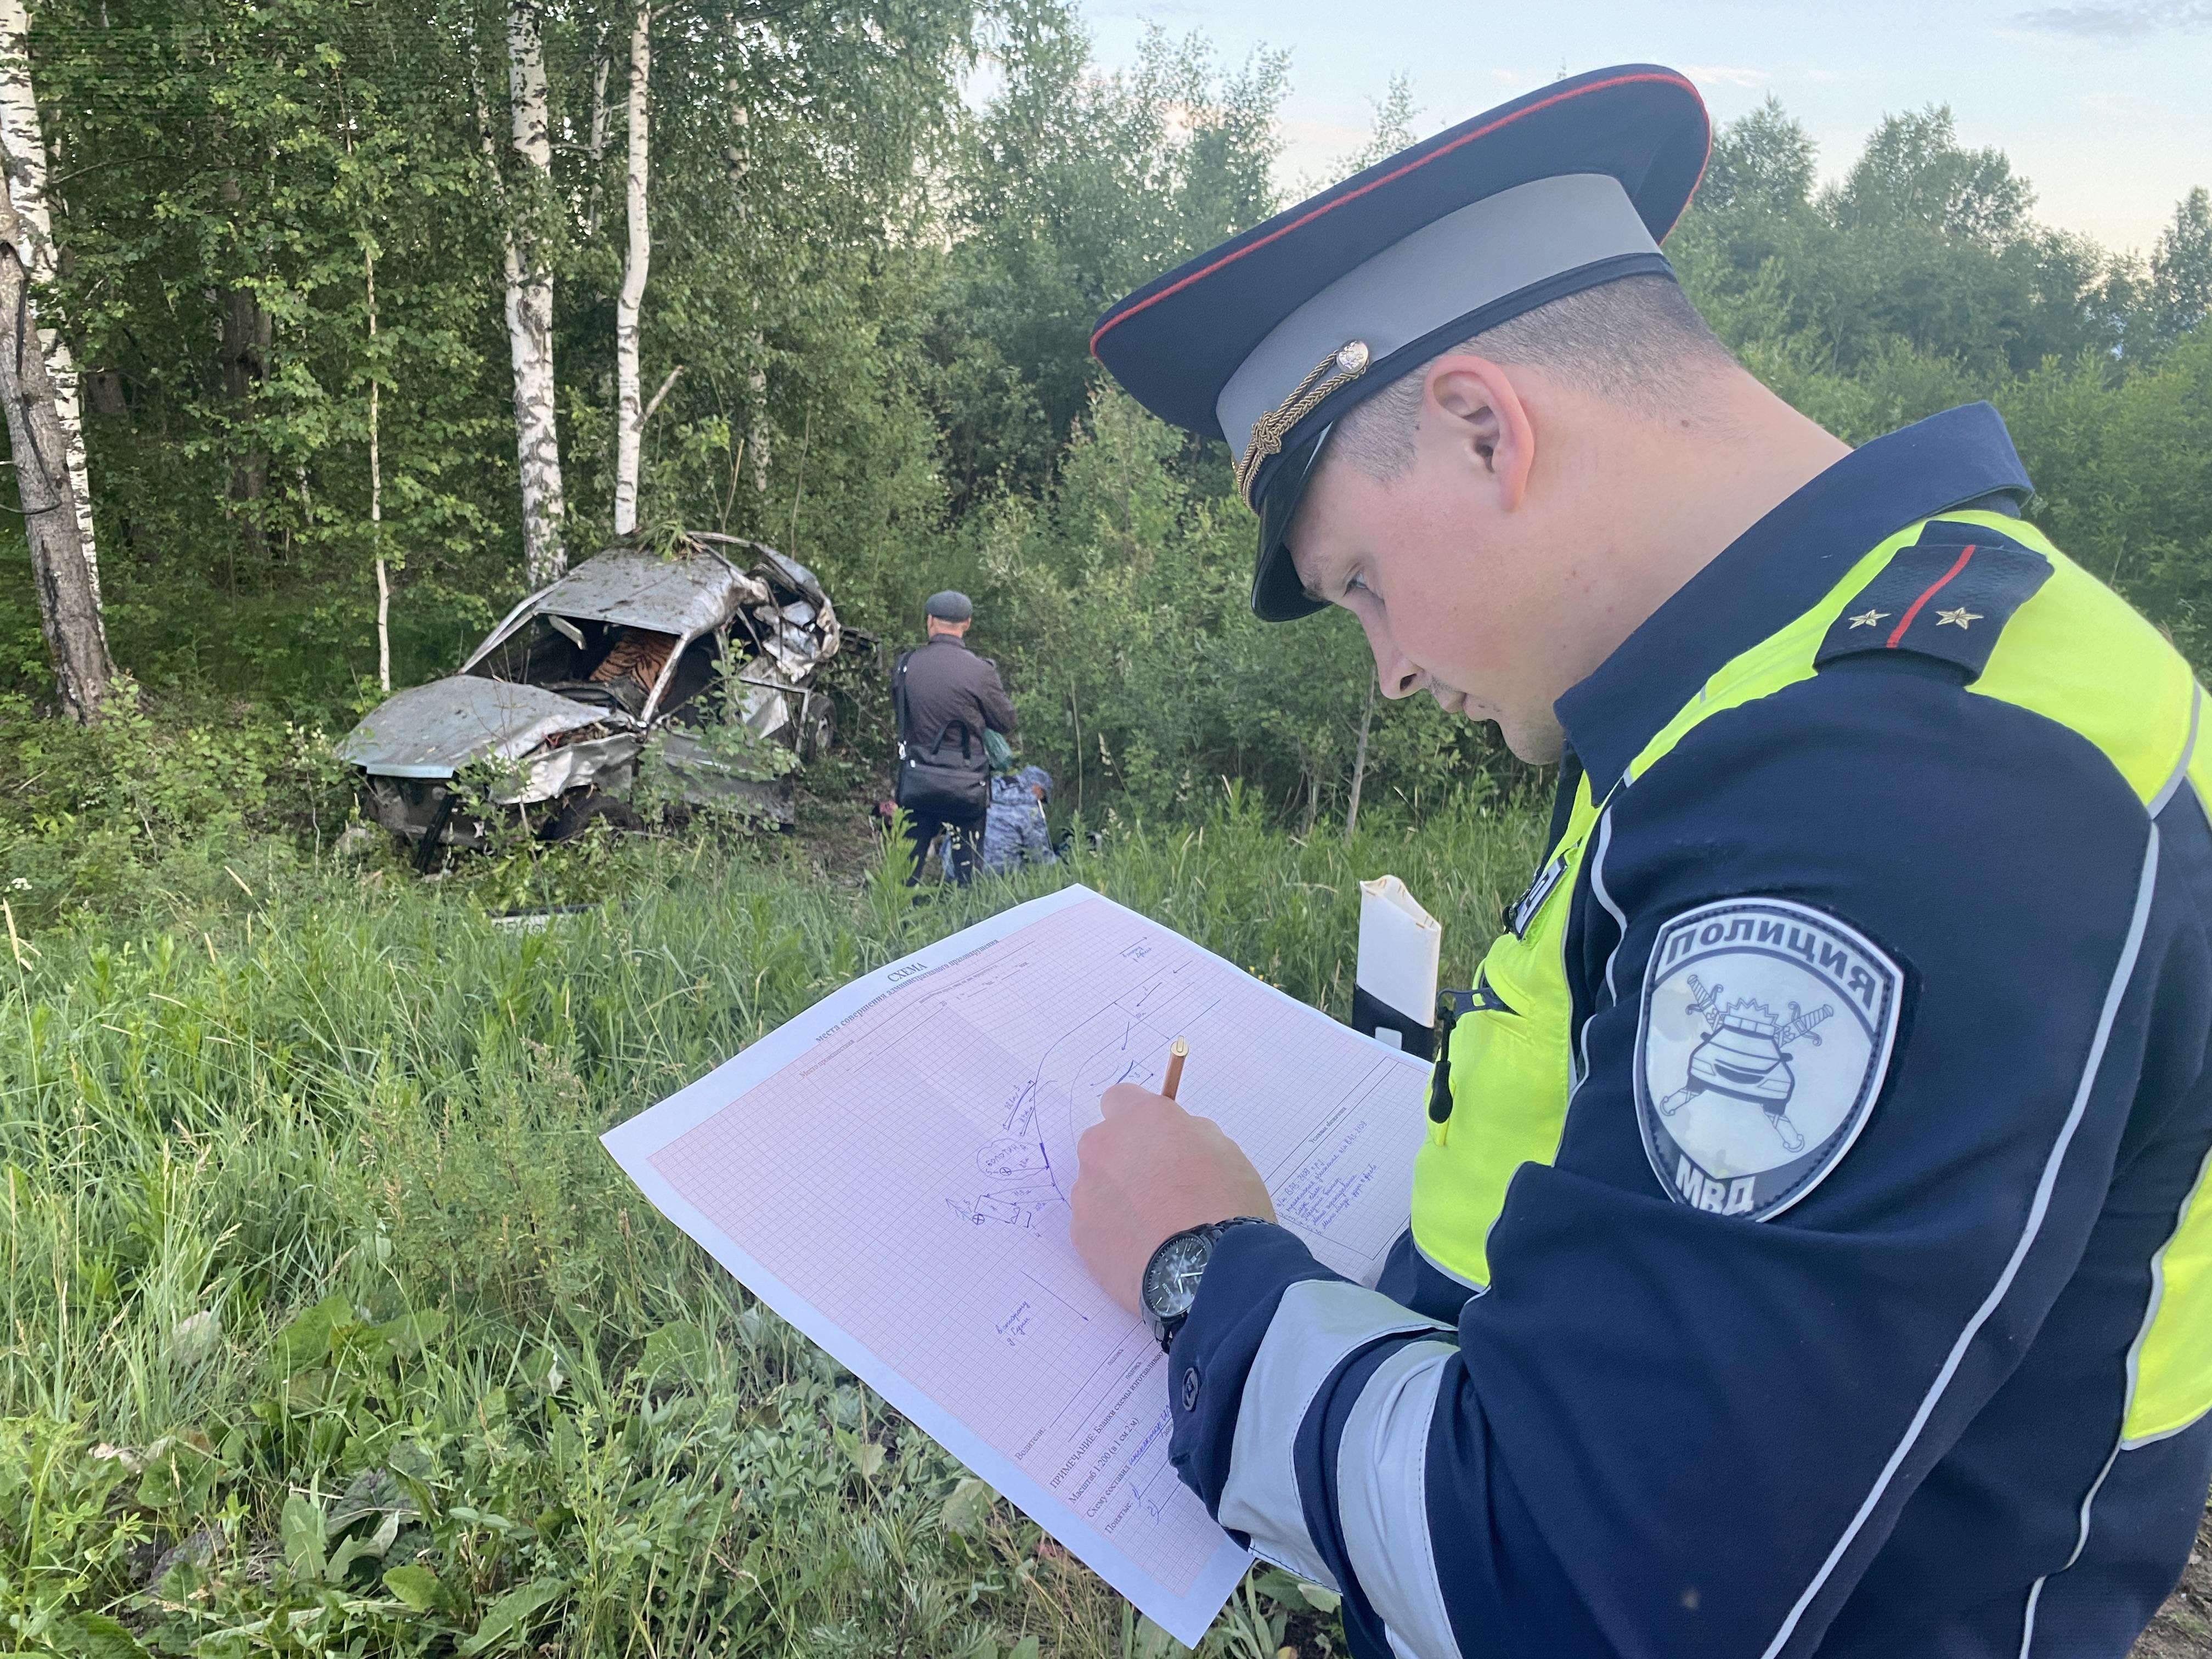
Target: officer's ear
point(1473, 412)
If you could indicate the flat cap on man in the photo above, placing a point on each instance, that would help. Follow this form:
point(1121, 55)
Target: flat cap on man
point(949, 605)
point(1268, 339)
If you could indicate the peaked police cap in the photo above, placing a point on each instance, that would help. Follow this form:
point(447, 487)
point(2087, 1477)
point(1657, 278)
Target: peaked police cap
point(1268, 339)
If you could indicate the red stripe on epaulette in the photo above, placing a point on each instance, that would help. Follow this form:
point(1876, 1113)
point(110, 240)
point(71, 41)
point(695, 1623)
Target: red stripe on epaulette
point(1119, 317)
point(1934, 588)
point(1987, 580)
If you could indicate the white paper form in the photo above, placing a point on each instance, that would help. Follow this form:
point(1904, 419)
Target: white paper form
point(889, 1171)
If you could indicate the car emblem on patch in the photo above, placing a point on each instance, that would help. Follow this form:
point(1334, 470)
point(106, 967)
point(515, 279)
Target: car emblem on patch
point(1766, 1032)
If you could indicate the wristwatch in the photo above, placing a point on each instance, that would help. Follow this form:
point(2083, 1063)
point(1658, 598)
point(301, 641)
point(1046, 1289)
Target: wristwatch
point(1171, 1282)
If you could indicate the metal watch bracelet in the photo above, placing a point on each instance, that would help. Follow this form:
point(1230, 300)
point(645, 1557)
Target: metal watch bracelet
point(1164, 1327)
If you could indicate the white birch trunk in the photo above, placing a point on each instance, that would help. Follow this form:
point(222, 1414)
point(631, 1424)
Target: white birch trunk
point(596, 148)
point(737, 163)
point(529, 304)
point(68, 612)
point(376, 491)
point(756, 388)
point(23, 140)
point(631, 416)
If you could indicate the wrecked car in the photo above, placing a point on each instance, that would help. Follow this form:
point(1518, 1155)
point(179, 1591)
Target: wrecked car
point(635, 659)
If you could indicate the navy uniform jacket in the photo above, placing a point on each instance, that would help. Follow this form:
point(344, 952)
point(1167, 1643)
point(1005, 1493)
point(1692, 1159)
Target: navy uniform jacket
point(1889, 1420)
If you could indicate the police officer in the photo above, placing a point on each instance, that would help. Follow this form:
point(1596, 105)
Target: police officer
point(1807, 1252)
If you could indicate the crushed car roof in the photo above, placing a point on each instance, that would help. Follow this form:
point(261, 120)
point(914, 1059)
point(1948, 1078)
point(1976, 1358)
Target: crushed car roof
point(685, 594)
point(433, 731)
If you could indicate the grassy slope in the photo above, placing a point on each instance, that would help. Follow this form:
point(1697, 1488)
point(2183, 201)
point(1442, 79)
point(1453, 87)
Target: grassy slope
point(330, 1328)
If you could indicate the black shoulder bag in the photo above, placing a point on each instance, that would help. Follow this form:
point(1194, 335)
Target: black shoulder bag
point(935, 784)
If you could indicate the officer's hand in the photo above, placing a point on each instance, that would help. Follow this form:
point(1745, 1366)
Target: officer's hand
point(1150, 1169)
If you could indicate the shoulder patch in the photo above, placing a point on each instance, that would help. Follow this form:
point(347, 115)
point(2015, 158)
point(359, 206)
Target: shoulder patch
point(1764, 1034)
point(1949, 597)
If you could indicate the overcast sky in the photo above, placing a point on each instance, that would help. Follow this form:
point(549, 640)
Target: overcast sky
point(2106, 106)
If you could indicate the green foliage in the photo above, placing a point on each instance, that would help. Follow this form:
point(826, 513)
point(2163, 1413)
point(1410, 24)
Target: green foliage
point(726, 738)
point(1761, 163)
point(122, 814)
point(1143, 679)
point(880, 296)
point(2181, 269)
point(1925, 253)
point(217, 229)
point(232, 170)
point(1071, 189)
point(2122, 468)
point(335, 1331)
point(1913, 172)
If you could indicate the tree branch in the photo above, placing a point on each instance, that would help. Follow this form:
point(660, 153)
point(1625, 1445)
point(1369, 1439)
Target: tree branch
point(658, 395)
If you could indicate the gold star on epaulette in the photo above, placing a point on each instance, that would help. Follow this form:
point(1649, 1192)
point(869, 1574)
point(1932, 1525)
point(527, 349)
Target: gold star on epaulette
point(1868, 618)
point(1957, 619)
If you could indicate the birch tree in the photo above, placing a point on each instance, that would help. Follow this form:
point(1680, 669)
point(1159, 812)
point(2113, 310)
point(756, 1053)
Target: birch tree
point(630, 410)
point(595, 147)
point(530, 302)
point(736, 163)
point(22, 137)
point(69, 609)
point(376, 483)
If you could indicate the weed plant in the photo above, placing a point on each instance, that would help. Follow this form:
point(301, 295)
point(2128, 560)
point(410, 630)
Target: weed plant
point(331, 1329)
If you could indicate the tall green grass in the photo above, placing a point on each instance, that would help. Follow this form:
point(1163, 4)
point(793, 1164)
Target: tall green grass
point(330, 1328)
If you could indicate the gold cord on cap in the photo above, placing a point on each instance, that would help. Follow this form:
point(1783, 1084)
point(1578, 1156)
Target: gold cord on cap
point(1340, 367)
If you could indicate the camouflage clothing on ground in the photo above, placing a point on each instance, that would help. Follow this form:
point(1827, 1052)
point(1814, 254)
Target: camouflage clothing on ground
point(1014, 831)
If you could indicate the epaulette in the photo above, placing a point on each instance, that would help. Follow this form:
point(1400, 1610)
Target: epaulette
point(1948, 596)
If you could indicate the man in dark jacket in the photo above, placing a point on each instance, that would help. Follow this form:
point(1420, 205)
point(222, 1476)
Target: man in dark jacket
point(947, 697)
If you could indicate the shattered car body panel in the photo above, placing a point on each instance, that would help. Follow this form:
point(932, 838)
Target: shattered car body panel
point(704, 775)
point(433, 731)
point(610, 763)
point(565, 694)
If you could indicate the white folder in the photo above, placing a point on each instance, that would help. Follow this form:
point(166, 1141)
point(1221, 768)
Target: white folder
point(1399, 946)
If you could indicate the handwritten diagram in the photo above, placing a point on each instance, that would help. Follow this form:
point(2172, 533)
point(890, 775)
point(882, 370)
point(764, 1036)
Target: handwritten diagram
point(890, 1171)
point(1031, 1166)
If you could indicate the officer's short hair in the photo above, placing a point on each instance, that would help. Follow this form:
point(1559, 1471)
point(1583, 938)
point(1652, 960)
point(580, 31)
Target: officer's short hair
point(1630, 341)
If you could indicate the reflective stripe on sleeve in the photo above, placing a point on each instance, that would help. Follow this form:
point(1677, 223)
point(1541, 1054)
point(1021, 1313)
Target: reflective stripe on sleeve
point(1320, 1324)
point(2038, 1207)
point(1382, 1498)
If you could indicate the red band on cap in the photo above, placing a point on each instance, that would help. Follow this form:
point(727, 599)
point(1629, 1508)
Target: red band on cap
point(1377, 184)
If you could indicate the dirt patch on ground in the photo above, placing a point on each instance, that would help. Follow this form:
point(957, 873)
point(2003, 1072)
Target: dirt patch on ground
point(2183, 1629)
point(838, 824)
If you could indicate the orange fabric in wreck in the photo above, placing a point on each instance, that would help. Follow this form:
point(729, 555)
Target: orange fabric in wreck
point(640, 653)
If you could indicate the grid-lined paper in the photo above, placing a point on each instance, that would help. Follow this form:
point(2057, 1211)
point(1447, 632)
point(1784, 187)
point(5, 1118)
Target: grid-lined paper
point(896, 1163)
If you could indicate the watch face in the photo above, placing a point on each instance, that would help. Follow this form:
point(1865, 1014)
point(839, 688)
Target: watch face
point(1171, 1278)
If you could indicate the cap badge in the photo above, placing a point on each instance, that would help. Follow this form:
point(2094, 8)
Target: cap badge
point(1340, 367)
